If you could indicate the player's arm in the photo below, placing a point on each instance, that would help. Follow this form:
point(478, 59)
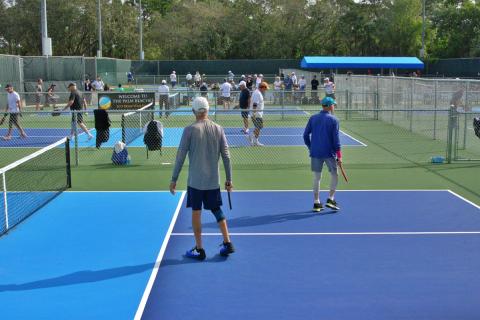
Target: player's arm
point(225, 153)
point(307, 132)
point(181, 155)
point(336, 141)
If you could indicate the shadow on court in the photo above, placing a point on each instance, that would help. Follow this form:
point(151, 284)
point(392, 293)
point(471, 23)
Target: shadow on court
point(249, 221)
point(78, 278)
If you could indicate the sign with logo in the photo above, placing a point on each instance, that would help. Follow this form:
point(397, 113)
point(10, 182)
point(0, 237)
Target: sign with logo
point(124, 100)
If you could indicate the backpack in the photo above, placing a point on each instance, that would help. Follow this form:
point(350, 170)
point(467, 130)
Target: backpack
point(120, 154)
point(476, 126)
point(153, 137)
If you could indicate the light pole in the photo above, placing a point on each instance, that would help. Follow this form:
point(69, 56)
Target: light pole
point(140, 27)
point(99, 18)
point(46, 41)
point(422, 51)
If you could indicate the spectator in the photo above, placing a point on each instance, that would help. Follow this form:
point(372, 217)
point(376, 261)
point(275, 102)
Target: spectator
point(51, 97)
point(129, 77)
point(302, 86)
point(294, 78)
point(226, 89)
point(197, 78)
point(329, 88)
point(249, 82)
point(288, 83)
point(204, 89)
point(38, 94)
point(258, 80)
point(189, 78)
point(314, 83)
point(277, 93)
point(98, 84)
point(173, 79)
point(119, 88)
point(230, 76)
point(163, 92)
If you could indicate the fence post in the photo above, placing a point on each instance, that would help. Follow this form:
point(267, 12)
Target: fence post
point(376, 97)
point(465, 108)
point(410, 113)
point(215, 97)
point(75, 133)
point(347, 105)
point(283, 104)
point(452, 126)
point(393, 97)
point(435, 111)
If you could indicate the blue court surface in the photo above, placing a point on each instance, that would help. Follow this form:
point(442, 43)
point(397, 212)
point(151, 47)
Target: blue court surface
point(270, 136)
point(385, 255)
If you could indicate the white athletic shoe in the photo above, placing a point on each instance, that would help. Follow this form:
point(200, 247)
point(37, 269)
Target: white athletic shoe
point(259, 144)
point(251, 140)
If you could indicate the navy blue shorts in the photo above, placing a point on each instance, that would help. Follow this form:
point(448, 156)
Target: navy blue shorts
point(211, 199)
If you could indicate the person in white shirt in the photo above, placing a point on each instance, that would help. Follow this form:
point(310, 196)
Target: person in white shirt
point(257, 106)
point(258, 80)
point(277, 87)
point(98, 84)
point(197, 79)
point(302, 86)
point(329, 87)
point(163, 92)
point(189, 78)
point(14, 107)
point(225, 90)
point(173, 79)
point(294, 78)
point(230, 76)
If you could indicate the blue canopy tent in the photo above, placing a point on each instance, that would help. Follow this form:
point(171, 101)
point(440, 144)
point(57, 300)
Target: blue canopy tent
point(361, 63)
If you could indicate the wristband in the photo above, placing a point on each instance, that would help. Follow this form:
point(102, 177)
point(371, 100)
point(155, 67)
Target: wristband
point(339, 154)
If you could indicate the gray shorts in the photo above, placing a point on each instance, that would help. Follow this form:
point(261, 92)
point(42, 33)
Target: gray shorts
point(317, 164)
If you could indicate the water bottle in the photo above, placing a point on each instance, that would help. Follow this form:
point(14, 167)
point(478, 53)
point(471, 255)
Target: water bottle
point(438, 159)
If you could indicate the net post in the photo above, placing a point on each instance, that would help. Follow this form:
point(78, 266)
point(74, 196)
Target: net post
point(435, 110)
point(452, 121)
point(5, 203)
point(67, 159)
point(124, 134)
point(75, 133)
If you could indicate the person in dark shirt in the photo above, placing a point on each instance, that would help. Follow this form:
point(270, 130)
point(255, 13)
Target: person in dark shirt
point(249, 82)
point(244, 102)
point(76, 103)
point(315, 85)
point(204, 89)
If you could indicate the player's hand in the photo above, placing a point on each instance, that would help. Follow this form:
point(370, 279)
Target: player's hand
point(173, 187)
point(228, 186)
point(339, 160)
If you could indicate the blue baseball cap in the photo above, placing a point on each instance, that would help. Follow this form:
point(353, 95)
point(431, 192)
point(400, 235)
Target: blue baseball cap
point(328, 101)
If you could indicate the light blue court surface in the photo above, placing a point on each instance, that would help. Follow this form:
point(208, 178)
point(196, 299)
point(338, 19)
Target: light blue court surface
point(385, 255)
point(270, 136)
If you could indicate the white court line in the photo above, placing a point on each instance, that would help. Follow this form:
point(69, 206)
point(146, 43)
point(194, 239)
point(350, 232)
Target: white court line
point(464, 199)
point(153, 276)
point(285, 190)
point(393, 233)
point(363, 144)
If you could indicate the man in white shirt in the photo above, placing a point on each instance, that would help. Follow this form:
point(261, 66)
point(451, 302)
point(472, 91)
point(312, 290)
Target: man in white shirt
point(189, 78)
point(98, 84)
point(163, 92)
point(173, 79)
point(257, 106)
point(225, 90)
point(329, 88)
point(258, 80)
point(294, 78)
point(230, 76)
point(14, 107)
point(198, 78)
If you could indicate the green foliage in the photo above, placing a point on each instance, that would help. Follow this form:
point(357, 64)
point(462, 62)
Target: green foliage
point(229, 29)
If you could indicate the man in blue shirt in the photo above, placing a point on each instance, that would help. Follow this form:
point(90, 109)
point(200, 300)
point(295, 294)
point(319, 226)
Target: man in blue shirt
point(321, 136)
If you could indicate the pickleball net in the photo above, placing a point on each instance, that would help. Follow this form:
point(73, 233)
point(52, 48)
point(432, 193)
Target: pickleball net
point(31, 182)
point(134, 122)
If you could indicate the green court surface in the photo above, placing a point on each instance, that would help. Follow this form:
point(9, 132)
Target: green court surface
point(394, 158)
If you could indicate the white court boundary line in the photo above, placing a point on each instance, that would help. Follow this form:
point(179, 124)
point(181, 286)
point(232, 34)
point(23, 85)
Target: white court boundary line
point(153, 276)
point(363, 144)
point(387, 233)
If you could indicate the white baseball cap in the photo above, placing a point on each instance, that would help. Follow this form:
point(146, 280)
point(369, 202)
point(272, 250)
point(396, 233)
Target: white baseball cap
point(164, 81)
point(242, 83)
point(326, 79)
point(200, 103)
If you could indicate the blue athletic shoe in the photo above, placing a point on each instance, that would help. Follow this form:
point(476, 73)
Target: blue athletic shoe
point(226, 249)
point(195, 253)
